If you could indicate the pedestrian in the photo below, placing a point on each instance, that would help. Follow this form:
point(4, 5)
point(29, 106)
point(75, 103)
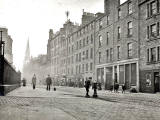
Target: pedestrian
point(123, 88)
point(116, 87)
point(24, 82)
point(48, 82)
point(34, 81)
point(94, 86)
point(87, 86)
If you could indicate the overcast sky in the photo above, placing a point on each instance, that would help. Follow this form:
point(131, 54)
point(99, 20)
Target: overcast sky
point(33, 18)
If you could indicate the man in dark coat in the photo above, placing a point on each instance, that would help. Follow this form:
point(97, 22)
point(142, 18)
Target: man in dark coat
point(87, 86)
point(34, 81)
point(123, 88)
point(48, 82)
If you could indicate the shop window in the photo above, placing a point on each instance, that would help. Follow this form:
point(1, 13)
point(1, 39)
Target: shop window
point(121, 74)
point(148, 80)
point(133, 74)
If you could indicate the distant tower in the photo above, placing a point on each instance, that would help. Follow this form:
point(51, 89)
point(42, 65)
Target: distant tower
point(27, 53)
point(67, 14)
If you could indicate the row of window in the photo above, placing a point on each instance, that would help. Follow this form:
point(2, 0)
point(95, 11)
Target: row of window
point(130, 11)
point(84, 55)
point(109, 53)
point(84, 42)
point(84, 68)
point(85, 29)
point(129, 30)
point(130, 33)
point(70, 49)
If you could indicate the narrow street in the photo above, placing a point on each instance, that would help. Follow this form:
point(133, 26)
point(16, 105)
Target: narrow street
point(70, 104)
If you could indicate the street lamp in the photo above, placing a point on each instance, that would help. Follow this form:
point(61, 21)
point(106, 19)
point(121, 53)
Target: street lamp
point(2, 65)
point(2, 45)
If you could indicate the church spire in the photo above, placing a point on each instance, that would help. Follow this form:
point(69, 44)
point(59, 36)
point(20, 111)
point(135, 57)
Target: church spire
point(27, 53)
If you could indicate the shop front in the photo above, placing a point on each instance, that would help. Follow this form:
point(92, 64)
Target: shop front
point(150, 81)
point(126, 72)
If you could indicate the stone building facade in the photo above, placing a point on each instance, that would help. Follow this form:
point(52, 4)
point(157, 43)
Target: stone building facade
point(39, 66)
point(124, 44)
point(72, 58)
point(149, 45)
point(116, 47)
point(84, 48)
point(58, 51)
point(8, 45)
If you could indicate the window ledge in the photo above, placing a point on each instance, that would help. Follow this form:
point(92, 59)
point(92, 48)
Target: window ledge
point(119, 39)
point(130, 57)
point(153, 16)
point(118, 59)
point(153, 62)
point(129, 36)
point(153, 38)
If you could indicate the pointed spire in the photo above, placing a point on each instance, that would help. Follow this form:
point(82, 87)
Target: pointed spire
point(67, 14)
point(27, 53)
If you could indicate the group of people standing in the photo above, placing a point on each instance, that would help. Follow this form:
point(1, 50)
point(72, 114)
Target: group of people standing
point(48, 82)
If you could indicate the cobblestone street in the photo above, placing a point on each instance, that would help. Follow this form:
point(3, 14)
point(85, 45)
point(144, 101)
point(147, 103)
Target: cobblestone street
point(70, 104)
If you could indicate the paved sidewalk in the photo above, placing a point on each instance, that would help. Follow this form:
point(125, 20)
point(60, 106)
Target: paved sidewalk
point(138, 98)
point(69, 103)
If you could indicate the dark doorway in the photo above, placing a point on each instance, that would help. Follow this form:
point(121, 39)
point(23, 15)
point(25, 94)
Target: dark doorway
point(156, 82)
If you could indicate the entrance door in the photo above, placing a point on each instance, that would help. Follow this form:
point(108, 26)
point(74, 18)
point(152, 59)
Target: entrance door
point(156, 82)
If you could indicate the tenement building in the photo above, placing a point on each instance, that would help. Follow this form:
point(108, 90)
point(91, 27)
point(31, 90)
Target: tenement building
point(149, 11)
point(119, 46)
point(116, 47)
point(84, 48)
point(58, 50)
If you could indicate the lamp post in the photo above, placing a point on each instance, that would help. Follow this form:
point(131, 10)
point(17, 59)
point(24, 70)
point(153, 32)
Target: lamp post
point(2, 65)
